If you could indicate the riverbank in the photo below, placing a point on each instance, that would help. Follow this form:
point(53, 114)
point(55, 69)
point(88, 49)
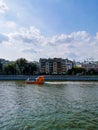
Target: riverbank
point(50, 77)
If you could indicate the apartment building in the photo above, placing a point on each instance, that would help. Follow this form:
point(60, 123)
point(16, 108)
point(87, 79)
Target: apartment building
point(42, 65)
point(54, 66)
point(89, 66)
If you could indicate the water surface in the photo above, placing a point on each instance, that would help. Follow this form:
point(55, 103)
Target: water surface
point(52, 106)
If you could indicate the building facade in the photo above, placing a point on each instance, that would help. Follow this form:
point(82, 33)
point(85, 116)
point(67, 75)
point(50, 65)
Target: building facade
point(54, 66)
point(89, 66)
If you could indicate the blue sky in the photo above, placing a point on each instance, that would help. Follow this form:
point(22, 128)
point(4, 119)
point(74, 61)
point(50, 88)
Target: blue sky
point(41, 28)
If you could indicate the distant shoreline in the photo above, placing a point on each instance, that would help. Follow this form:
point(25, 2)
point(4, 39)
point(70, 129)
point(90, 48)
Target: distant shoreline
point(49, 78)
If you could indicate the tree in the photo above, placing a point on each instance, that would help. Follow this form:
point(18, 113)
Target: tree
point(21, 65)
point(24, 67)
point(1, 68)
point(30, 68)
point(10, 69)
point(91, 72)
point(76, 71)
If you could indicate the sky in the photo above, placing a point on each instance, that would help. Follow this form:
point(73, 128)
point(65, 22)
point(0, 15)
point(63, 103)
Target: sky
point(35, 29)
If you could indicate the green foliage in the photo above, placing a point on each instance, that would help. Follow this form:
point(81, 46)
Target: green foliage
point(91, 72)
point(81, 71)
point(1, 68)
point(77, 71)
point(30, 68)
point(20, 67)
point(10, 69)
point(21, 64)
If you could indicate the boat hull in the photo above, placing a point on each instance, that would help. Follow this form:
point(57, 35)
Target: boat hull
point(32, 82)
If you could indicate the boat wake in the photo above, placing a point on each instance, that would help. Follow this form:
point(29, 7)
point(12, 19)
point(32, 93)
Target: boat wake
point(55, 82)
point(71, 82)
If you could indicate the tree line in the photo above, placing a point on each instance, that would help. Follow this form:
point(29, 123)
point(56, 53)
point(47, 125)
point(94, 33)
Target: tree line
point(19, 67)
point(82, 71)
point(23, 67)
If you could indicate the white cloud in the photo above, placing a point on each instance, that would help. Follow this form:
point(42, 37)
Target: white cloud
point(68, 38)
point(3, 6)
point(32, 45)
point(10, 24)
point(31, 35)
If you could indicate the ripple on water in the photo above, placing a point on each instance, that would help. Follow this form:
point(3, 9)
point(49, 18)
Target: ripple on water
point(70, 106)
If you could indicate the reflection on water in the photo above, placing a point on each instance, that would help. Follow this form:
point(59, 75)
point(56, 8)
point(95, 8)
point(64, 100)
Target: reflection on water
point(52, 106)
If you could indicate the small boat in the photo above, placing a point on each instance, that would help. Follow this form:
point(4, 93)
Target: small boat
point(39, 80)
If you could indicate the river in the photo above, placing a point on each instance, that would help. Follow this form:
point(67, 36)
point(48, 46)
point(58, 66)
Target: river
point(51, 106)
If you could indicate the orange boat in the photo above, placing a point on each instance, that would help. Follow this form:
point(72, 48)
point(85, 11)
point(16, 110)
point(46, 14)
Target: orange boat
point(39, 80)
